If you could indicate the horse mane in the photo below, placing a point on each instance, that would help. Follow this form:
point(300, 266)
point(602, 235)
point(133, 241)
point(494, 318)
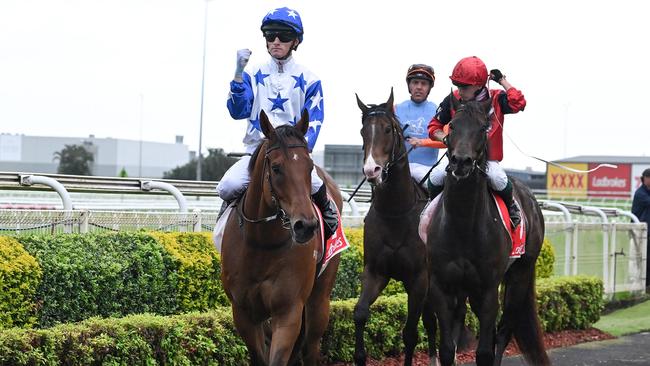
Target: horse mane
point(283, 135)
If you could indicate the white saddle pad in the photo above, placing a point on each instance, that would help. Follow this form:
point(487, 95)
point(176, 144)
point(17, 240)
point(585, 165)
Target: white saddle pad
point(220, 227)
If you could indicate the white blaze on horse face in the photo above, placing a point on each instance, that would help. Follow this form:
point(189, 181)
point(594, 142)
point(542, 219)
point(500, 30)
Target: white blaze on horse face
point(371, 169)
point(295, 156)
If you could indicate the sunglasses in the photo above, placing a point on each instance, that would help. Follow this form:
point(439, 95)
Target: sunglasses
point(283, 36)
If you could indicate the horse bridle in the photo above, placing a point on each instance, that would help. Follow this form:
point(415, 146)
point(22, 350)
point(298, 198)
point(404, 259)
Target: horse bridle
point(280, 213)
point(475, 162)
point(393, 124)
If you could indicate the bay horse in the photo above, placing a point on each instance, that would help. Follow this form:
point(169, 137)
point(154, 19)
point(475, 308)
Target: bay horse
point(392, 247)
point(469, 248)
point(269, 253)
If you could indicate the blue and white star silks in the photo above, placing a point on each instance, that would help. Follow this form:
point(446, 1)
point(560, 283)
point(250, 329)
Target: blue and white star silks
point(259, 77)
point(282, 95)
point(300, 81)
point(278, 101)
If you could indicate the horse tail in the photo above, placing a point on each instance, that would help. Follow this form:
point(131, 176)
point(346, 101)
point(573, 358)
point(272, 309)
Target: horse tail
point(528, 330)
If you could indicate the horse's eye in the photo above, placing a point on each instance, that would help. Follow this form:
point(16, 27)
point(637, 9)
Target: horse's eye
point(276, 169)
point(387, 129)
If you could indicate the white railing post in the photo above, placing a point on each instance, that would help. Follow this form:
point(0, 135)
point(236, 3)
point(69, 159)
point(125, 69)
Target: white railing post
point(198, 224)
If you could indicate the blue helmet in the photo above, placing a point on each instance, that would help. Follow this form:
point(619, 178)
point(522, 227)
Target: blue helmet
point(283, 19)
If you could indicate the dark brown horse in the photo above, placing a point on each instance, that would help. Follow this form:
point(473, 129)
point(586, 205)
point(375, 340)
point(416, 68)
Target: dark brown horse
point(269, 253)
point(469, 248)
point(392, 247)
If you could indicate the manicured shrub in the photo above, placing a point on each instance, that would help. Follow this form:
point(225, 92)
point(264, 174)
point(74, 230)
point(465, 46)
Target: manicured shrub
point(20, 276)
point(108, 274)
point(545, 261)
point(198, 268)
point(210, 338)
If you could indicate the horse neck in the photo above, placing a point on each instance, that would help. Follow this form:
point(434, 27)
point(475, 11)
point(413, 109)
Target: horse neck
point(397, 193)
point(466, 199)
point(256, 206)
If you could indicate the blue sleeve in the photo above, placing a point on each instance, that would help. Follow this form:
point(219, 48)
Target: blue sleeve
point(314, 105)
point(240, 101)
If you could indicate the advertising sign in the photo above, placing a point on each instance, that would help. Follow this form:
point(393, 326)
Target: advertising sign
point(610, 182)
point(565, 183)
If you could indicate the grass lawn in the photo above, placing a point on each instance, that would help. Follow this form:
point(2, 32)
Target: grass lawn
point(634, 319)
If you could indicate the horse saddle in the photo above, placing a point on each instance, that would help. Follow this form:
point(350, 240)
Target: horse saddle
point(334, 245)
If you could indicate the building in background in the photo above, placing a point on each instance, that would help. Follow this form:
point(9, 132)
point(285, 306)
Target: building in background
point(613, 182)
point(345, 164)
point(35, 154)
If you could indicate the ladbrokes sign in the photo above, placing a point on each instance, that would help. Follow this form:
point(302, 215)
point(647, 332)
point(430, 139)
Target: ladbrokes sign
point(610, 182)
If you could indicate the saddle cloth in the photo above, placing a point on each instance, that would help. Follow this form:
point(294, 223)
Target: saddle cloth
point(518, 237)
point(335, 244)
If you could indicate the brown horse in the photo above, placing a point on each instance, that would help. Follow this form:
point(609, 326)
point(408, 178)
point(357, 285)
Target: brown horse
point(270, 248)
point(469, 248)
point(392, 246)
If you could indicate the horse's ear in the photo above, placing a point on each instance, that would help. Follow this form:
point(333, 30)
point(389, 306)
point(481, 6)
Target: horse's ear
point(389, 102)
point(267, 127)
point(455, 103)
point(303, 123)
point(364, 108)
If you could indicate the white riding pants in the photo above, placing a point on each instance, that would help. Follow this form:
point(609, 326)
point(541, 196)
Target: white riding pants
point(497, 177)
point(235, 181)
point(418, 171)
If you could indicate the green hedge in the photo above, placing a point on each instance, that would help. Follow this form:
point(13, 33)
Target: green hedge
point(20, 276)
point(210, 338)
point(114, 274)
point(101, 275)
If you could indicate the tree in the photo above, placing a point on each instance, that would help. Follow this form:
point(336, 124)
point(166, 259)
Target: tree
point(75, 159)
point(214, 166)
point(123, 173)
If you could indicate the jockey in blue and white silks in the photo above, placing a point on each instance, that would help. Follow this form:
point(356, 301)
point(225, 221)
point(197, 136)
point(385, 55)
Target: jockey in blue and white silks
point(283, 89)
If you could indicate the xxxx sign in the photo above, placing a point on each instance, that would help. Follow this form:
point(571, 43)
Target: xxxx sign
point(565, 183)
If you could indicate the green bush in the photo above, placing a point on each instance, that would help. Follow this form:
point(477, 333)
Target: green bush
point(348, 276)
point(101, 275)
point(20, 276)
point(569, 302)
point(545, 261)
point(210, 338)
point(190, 339)
point(198, 268)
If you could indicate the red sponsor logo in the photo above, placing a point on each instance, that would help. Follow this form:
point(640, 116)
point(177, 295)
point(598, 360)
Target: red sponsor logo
point(610, 182)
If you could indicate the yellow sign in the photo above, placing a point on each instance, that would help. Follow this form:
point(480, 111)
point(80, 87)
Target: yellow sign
point(565, 183)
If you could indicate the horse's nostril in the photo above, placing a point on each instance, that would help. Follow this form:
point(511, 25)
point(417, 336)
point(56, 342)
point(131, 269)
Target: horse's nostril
point(377, 170)
point(298, 226)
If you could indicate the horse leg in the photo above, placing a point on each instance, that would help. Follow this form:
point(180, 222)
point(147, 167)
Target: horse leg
point(485, 306)
point(417, 292)
point(371, 287)
point(253, 336)
point(444, 305)
point(429, 320)
point(317, 313)
point(286, 329)
point(520, 315)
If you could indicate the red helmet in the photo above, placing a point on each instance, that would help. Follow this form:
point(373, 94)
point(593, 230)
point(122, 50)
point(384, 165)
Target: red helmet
point(469, 71)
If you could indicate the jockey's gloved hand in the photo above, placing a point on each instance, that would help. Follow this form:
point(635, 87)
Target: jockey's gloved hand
point(496, 75)
point(243, 56)
point(445, 140)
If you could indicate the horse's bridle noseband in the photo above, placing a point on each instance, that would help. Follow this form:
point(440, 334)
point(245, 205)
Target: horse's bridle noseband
point(280, 213)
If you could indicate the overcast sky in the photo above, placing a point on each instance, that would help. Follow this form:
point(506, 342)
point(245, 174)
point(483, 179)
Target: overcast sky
point(132, 68)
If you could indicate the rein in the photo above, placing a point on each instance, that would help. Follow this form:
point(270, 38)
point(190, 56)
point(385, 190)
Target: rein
point(280, 213)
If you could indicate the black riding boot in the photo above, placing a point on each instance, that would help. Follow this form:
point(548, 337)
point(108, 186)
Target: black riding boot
point(328, 210)
point(513, 209)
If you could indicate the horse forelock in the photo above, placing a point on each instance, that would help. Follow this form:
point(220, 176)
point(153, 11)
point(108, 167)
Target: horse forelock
point(285, 135)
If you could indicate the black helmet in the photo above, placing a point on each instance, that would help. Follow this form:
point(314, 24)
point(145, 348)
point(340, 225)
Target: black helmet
point(421, 71)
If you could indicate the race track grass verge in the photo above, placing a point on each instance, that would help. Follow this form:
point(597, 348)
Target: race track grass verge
point(634, 319)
